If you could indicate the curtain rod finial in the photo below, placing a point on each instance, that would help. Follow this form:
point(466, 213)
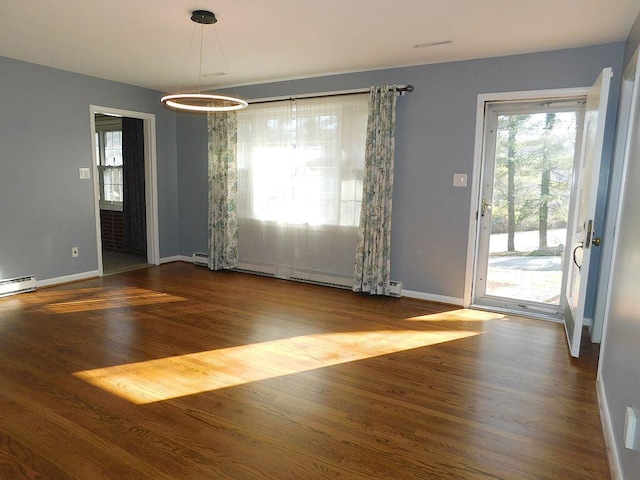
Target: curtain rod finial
point(405, 89)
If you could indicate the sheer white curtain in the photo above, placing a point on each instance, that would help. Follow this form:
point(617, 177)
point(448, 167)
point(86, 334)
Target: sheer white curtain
point(300, 169)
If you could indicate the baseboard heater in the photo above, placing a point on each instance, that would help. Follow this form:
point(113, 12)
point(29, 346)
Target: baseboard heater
point(396, 289)
point(319, 282)
point(13, 286)
point(201, 259)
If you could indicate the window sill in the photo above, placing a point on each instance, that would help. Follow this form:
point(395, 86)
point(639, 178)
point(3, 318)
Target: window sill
point(116, 207)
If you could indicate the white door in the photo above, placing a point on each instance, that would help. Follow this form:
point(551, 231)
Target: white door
point(582, 237)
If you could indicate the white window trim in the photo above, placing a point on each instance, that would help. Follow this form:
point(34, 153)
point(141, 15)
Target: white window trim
point(106, 124)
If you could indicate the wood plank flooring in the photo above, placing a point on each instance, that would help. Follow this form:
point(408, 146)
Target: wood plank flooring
point(177, 372)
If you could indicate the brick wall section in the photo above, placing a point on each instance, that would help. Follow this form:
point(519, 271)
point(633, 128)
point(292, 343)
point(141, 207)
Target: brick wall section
point(111, 226)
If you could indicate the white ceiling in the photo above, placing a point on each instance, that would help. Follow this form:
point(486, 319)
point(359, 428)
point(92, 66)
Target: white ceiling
point(149, 42)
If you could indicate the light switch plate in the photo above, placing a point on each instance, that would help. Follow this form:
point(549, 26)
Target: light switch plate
point(85, 173)
point(459, 179)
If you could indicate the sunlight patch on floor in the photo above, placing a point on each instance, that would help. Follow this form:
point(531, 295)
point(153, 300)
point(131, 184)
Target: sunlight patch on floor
point(178, 376)
point(35, 300)
point(460, 315)
point(86, 299)
point(121, 298)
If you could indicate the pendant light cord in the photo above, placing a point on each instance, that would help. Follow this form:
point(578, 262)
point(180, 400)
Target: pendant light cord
point(224, 58)
point(200, 69)
point(186, 59)
point(200, 102)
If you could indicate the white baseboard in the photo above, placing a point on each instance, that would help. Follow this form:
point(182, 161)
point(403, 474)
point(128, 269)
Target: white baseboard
point(68, 278)
point(432, 298)
point(609, 437)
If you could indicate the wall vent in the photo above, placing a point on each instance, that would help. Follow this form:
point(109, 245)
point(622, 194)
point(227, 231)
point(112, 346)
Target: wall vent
point(14, 286)
point(396, 289)
point(201, 259)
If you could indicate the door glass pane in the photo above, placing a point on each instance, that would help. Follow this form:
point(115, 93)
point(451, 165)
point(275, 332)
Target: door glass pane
point(532, 187)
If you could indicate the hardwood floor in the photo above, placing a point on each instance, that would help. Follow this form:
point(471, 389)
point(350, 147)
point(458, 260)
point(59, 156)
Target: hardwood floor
point(176, 372)
point(114, 261)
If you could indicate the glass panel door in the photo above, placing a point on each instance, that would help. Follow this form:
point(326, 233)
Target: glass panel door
point(529, 158)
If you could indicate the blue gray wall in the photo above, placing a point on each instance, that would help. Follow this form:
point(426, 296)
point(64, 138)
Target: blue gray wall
point(435, 139)
point(45, 136)
point(192, 182)
point(620, 358)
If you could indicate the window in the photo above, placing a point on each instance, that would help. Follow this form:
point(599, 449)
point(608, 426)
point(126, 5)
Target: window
point(109, 161)
point(303, 161)
point(300, 172)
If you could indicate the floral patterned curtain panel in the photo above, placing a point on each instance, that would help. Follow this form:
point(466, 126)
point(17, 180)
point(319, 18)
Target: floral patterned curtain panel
point(373, 254)
point(223, 191)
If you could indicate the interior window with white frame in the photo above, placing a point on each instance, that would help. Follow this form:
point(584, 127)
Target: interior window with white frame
point(109, 162)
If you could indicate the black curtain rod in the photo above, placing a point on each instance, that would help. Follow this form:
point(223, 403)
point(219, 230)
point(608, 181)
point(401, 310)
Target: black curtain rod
point(401, 90)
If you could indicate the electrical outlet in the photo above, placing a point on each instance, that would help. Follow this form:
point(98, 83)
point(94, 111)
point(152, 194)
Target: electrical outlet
point(630, 427)
point(74, 251)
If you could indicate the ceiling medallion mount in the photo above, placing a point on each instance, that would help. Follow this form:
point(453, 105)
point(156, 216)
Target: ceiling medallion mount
point(202, 102)
point(204, 17)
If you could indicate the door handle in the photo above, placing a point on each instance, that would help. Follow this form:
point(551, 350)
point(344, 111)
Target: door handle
point(591, 235)
point(484, 207)
point(575, 251)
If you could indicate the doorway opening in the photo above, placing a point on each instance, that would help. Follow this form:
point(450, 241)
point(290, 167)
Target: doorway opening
point(528, 163)
point(124, 187)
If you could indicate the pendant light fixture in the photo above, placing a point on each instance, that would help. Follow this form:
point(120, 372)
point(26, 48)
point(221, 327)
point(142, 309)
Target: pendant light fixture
point(203, 102)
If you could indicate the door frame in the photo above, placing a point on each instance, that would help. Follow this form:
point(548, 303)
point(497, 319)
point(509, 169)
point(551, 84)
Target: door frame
point(628, 118)
point(478, 152)
point(151, 180)
point(627, 105)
